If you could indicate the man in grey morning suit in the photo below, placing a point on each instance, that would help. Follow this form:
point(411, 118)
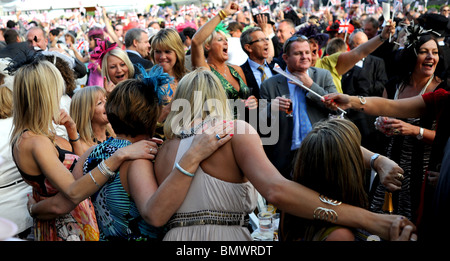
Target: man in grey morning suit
point(308, 109)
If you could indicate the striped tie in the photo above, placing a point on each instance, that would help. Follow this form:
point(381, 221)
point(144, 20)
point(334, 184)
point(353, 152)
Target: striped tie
point(263, 73)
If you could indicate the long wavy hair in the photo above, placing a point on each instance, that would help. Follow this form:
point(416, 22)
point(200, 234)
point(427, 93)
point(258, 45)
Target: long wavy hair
point(38, 88)
point(82, 109)
point(330, 162)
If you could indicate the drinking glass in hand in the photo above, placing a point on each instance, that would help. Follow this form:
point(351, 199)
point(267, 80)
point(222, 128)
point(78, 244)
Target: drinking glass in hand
point(289, 110)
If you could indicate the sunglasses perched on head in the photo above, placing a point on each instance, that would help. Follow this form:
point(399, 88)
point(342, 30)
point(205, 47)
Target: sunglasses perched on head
point(293, 39)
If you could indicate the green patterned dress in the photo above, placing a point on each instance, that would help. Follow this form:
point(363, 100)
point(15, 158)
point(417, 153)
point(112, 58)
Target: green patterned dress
point(243, 93)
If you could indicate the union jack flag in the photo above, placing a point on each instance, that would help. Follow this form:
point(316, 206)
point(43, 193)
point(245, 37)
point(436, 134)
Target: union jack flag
point(344, 26)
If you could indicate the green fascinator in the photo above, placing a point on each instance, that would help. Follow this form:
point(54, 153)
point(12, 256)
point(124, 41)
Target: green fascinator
point(222, 28)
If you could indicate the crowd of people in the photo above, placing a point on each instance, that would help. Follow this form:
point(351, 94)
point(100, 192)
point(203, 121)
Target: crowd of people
point(155, 127)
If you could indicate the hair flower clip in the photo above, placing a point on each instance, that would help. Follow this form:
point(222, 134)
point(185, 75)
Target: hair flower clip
point(102, 48)
point(158, 78)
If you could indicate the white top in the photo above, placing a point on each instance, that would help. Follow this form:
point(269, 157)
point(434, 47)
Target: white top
point(13, 197)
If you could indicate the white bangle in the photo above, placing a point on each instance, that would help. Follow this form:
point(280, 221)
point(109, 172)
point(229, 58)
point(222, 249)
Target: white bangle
point(362, 100)
point(183, 171)
point(420, 136)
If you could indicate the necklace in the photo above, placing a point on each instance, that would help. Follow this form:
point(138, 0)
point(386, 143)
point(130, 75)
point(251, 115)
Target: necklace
point(224, 71)
point(188, 133)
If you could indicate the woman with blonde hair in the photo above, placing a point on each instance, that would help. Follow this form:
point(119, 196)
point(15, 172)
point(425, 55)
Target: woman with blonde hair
point(223, 190)
point(114, 62)
point(209, 49)
point(127, 204)
point(45, 161)
point(116, 67)
point(87, 109)
point(167, 50)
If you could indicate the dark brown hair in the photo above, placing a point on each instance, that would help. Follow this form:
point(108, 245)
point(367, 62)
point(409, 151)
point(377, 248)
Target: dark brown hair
point(132, 108)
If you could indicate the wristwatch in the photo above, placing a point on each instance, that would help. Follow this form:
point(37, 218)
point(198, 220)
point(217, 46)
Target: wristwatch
point(382, 39)
point(372, 160)
point(420, 136)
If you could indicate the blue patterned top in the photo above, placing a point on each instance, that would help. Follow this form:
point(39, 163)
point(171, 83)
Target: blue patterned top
point(117, 215)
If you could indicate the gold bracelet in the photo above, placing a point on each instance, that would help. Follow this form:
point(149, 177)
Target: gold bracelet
point(222, 15)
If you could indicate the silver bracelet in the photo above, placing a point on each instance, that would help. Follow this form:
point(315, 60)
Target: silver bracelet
point(325, 214)
point(329, 201)
point(92, 177)
point(105, 170)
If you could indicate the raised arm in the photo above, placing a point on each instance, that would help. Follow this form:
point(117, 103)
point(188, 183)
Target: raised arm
point(347, 60)
point(110, 29)
point(197, 54)
point(268, 31)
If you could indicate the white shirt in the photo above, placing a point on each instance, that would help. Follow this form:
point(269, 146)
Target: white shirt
point(236, 56)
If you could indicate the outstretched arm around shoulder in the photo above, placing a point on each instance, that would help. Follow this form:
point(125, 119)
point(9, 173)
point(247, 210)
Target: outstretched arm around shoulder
point(295, 198)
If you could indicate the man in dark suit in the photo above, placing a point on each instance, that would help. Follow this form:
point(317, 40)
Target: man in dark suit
point(285, 29)
point(136, 42)
point(367, 78)
point(307, 108)
point(256, 69)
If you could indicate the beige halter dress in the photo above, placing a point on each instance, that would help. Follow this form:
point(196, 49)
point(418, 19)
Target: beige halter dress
point(213, 210)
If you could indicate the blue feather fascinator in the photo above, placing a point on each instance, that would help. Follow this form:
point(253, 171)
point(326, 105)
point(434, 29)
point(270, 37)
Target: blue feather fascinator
point(158, 78)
